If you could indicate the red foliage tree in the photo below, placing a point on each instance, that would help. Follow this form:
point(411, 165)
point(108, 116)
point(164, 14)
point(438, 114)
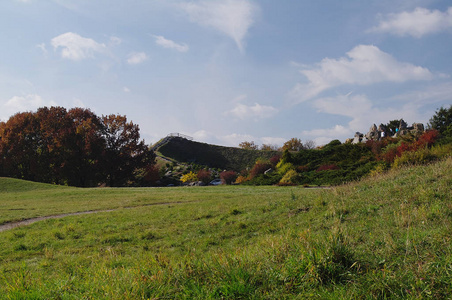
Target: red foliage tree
point(84, 148)
point(19, 138)
point(248, 145)
point(72, 147)
point(124, 152)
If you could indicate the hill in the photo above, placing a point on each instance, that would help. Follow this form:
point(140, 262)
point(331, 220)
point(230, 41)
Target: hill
point(11, 185)
point(226, 158)
point(385, 237)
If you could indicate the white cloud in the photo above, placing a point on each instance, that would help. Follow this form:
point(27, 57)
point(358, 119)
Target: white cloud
point(76, 47)
point(114, 40)
point(256, 111)
point(235, 139)
point(416, 23)
point(126, 89)
point(23, 103)
point(432, 94)
point(231, 17)
point(169, 44)
point(324, 136)
point(268, 140)
point(78, 103)
point(365, 65)
point(362, 114)
point(135, 58)
point(202, 135)
point(43, 47)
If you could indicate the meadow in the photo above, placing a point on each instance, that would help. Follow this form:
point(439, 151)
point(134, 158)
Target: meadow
point(386, 236)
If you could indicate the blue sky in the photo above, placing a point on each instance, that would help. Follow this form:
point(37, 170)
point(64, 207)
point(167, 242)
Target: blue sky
point(230, 71)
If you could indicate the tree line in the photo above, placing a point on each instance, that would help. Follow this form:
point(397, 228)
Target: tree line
point(74, 147)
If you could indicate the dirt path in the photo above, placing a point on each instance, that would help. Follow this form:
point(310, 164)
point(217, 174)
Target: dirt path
point(11, 225)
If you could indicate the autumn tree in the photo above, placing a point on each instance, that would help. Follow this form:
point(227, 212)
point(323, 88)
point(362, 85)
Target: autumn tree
point(54, 128)
point(84, 148)
point(294, 144)
point(269, 147)
point(248, 145)
point(124, 151)
point(20, 143)
point(73, 147)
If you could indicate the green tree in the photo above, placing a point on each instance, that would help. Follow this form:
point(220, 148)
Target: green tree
point(441, 120)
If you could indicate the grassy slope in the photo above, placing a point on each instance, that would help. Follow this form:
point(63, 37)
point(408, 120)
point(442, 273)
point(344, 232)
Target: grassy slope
point(386, 237)
point(16, 185)
point(228, 158)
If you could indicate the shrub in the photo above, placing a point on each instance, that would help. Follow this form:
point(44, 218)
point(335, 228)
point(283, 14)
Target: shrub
point(390, 153)
point(274, 160)
point(241, 179)
point(204, 175)
point(283, 168)
point(265, 179)
point(302, 168)
point(428, 138)
point(228, 177)
point(327, 167)
point(258, 169)
point(189, 177)
point(420, 156)
point(379, 169)
point(152, 174)
point(290, 178)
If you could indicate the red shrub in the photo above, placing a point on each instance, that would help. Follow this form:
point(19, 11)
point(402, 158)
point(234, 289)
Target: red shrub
point(390, 155)
point(274, 160)
point(204, 175)
point(428, 138)
point(259, 169)
point(404, 147)
point(228, 177)
point(151, 174)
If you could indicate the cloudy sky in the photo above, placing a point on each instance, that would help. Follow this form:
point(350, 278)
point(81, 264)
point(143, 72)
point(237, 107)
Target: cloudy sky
point(228, 71)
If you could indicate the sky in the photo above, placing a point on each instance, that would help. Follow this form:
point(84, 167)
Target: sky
point(229, 71)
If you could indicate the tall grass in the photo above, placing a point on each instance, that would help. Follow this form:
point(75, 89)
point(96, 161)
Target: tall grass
point(385, 237)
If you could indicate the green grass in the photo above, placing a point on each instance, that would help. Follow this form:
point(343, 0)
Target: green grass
point(384, 237)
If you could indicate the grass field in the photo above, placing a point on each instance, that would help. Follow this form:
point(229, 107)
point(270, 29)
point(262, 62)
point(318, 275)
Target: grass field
point(384, 237)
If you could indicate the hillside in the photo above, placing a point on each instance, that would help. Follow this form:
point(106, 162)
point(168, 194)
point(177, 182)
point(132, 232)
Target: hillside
point(213, 156)
point(385, 237)
point(12, 185)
